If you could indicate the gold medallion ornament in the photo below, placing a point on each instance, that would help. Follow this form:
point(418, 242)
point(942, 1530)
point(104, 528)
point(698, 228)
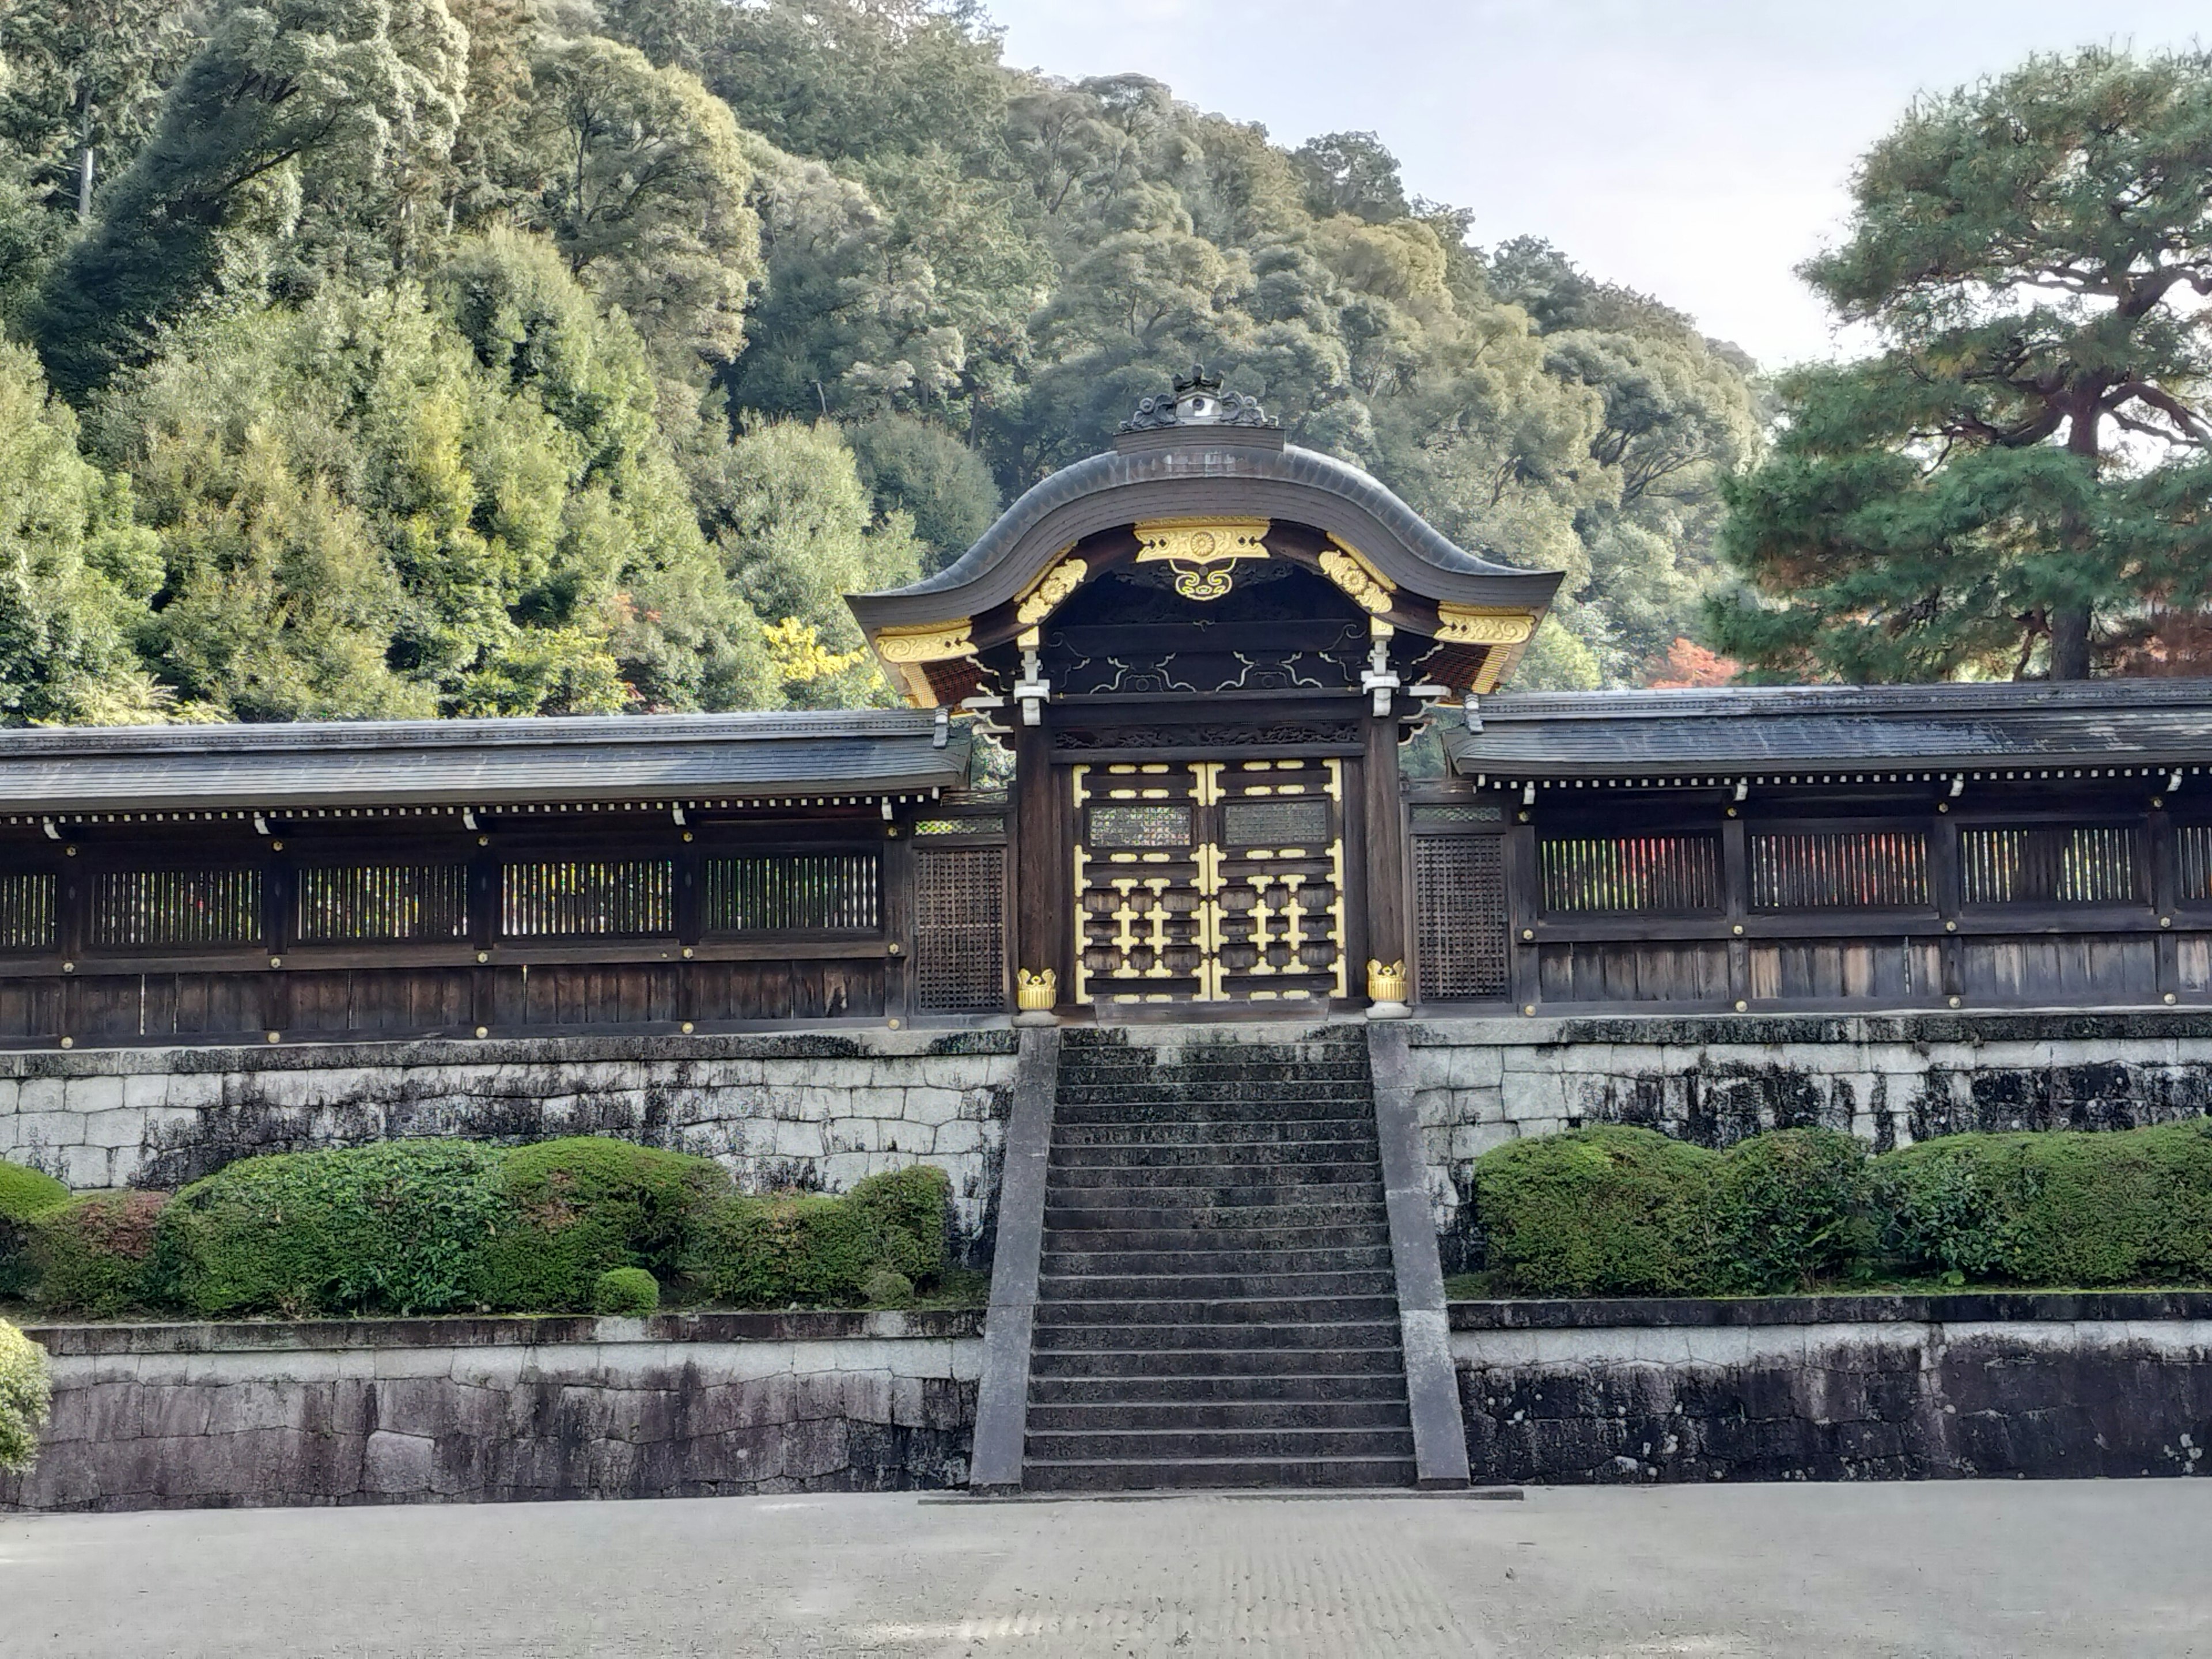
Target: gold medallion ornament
point(1057, 584)
point(937, 643)
point(1202, 552)
point(1468, 624)
point(1370, 590)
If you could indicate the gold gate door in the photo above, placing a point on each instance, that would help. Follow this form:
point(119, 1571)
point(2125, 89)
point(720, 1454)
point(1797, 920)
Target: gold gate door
point(1209, 881)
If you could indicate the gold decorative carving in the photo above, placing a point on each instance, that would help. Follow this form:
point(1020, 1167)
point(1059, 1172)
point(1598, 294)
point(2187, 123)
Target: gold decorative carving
point(1036, 993)
point(939, 642)
point(1055, 585)
point(1469, 624)
point(1202, 552)
point(1386, 984)
point(1369, 588)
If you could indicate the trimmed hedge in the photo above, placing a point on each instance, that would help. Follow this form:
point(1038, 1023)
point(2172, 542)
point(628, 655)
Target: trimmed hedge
point(26, 1399)
point(1624, 1211)
point(580, 1208)
point(771, 1251)
point(93, 1254)
point(24, 1195)
point(398, 1228)
point(625, 1291)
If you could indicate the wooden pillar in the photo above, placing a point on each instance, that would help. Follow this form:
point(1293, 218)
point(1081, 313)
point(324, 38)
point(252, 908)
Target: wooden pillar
point(1386, 849)
point(1038, 934)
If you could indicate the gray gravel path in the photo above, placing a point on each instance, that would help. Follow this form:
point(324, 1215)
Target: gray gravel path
point(1997, 1569)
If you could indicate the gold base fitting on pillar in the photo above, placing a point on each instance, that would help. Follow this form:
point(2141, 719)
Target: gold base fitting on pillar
point(1035, 995)
point(1387, 991)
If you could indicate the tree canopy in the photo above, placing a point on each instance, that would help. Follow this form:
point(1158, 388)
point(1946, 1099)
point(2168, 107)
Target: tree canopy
point(445, 356)
point(2017, 483)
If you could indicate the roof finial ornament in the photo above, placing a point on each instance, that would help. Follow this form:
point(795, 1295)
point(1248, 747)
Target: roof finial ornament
point(1197, 400)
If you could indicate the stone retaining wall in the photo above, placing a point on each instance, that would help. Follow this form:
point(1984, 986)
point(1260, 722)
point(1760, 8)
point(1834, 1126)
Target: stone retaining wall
point(1889, 1078)
point(494, 1410)
point(1836, 1387)
point(814, 1110)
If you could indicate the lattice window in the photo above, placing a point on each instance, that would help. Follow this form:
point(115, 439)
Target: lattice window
point(1458, 916)
point(2193, 844)
point(1839, 870)
point(795, 892)
point(175, 909)
point(2093, 865)
point(958, 826)
point(584, 899)
point(960, 929)
point(383, 904)
point(1140, 826)
point(1426, 815)
point(1275, 824)
point(27, 915)
point(1667, 873)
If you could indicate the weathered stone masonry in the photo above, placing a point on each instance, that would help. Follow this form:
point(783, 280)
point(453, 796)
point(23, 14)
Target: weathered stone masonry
point(816, 1111)
point(499, 1410)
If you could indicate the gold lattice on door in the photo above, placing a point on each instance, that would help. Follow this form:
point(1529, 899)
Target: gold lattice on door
point(1209, 881)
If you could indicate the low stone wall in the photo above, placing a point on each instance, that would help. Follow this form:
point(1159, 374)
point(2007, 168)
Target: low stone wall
point(494, 1410)
point(1836, 1387)
point(1714, 1079)
point(814, 1110)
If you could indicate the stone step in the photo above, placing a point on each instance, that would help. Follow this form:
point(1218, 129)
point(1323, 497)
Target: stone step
point(1217, 1310)
point(1161, 1158)
point(1260, 1235)
point(1056, 1335)
point(1063, 1180)
point(1347, 1064)
point(1212, 1445)
point(1170, 1417)
point(1229, 1131)
point(1141, 1287)
point(1294, 1389)
point(1240, 1109)
point(1237, 1358)
point(1244, 1207)
point(1063, 1260)
point(1237, 1473)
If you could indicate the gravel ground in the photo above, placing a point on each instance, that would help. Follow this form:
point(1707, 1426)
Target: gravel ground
point(2003, 1569)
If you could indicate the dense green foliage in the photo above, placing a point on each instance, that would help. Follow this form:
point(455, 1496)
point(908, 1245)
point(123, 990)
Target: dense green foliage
point(625, 1292)
point(809, 1249)
point(93, 1255)
point(580, 1209)
point(2017, 484)
point(24, 1194)
point(457, 356)
point(25, 1398)
point(1618, 1211)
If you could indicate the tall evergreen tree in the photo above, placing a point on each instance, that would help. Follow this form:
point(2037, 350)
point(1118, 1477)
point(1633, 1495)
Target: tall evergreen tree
point(2016, 483)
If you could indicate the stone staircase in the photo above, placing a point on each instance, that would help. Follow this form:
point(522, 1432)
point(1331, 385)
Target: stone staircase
point(1216, 1305)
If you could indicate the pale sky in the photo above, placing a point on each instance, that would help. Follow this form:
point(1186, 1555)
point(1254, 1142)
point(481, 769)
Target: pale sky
point(1697, 149)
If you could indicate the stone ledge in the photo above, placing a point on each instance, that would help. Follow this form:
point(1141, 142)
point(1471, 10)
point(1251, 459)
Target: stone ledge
point(1554, 1027)
point(259, 1336)
point(1971, 1307)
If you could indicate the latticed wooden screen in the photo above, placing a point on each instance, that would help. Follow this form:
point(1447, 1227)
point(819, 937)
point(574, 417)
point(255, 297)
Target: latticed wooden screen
point(175, 909)
point(2193, 848)
point(1839, 870)
point(1458, 916)
point(1602, 873)
point(795, 892)
point(587, 899)
point(2099, 865)
point(27, 912)
point(960, 929)
point(383, 903)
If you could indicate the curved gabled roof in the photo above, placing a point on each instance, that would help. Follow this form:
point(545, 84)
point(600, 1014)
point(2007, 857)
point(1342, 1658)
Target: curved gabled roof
point(1197, 472)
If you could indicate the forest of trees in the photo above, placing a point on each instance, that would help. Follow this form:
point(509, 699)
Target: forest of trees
point(419, 357)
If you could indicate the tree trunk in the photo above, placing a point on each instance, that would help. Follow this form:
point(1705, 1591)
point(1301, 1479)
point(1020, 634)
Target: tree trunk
point(2069, 642)
point(84, 161)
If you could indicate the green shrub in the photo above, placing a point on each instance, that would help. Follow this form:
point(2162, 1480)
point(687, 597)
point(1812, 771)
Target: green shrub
point(811, 1248)
point(2059, 1207)
point(93, 1254)
point(1783, 1210)
point(25, 1398)
point(628, 1293)
point(1603, 1211)
point(396, 1228)
point(578, 1208)
point(24, 1194)
point(886, 1287)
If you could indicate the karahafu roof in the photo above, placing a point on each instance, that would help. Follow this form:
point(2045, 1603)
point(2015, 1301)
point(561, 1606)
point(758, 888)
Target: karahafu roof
point(571, 761)
point(1736, 732)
